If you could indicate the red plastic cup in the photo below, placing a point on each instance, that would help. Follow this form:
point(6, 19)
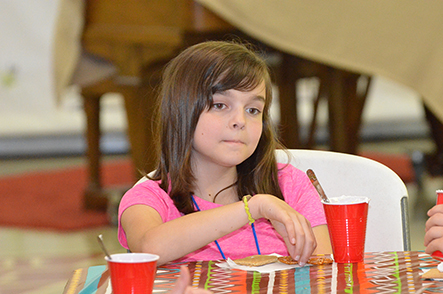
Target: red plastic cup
point(346, 217)
point(132, 272)
point(438, 254)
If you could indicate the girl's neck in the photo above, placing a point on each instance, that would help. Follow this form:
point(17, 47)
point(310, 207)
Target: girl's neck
point(212, 185)
point(226, 195)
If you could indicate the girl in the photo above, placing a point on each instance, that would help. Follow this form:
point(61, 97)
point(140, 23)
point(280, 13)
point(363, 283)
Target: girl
point(216, 148)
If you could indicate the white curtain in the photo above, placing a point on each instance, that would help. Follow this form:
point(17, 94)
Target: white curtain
point(38, 51)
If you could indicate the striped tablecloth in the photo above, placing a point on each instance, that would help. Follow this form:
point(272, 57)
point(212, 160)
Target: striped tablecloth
point(387, 272)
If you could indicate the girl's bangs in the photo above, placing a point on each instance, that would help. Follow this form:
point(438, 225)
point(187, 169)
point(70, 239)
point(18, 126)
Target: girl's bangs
point(241, 79)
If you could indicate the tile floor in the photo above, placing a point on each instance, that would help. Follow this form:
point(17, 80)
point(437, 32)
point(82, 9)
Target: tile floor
point(33, 261)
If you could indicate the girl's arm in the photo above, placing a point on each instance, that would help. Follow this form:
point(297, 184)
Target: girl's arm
point(145, 231)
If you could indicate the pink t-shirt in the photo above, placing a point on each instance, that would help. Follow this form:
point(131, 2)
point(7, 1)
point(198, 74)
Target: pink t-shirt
point(297, 190)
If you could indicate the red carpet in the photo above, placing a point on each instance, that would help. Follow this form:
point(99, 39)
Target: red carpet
point(53, 199)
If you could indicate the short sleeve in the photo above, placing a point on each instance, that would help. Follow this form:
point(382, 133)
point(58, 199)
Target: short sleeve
point(300, 194)
point(146, 193)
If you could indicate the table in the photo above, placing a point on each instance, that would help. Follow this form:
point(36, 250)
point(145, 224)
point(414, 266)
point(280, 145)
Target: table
point(388, 272)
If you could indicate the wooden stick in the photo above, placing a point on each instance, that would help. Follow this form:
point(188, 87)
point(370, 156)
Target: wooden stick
point(316, 183)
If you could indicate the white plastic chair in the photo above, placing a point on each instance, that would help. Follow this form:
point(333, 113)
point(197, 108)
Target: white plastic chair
point(345, 174)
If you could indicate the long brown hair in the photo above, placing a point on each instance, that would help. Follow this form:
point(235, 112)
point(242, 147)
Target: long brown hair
point(189, 82)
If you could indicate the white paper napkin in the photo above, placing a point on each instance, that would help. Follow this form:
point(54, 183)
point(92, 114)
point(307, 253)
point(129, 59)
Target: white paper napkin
point(440, 268)
point(434, 279)
point(267, 268)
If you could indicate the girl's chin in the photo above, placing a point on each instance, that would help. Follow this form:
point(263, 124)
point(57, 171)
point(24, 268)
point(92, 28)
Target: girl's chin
point(232, 162)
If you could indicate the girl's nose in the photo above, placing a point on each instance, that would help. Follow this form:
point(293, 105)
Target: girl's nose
point(238, 120)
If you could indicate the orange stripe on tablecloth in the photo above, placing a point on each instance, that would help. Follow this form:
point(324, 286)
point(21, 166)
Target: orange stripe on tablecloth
point(73, 283)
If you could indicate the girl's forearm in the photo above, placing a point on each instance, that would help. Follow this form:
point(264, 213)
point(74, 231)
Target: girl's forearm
point(176, 238)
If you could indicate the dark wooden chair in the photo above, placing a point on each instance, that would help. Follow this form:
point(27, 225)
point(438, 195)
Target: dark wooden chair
point(338, 87)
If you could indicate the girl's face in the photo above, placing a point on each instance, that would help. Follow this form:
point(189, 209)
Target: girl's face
point(229, 132)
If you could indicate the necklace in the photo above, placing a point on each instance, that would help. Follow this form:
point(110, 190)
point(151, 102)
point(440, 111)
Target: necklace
point(216, 242)
point(225, 188)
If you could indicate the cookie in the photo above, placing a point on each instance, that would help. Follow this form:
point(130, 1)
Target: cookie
point(287, 260)
point(256, 260)
point(433, 274)
point(313, 260)
point(320, 260)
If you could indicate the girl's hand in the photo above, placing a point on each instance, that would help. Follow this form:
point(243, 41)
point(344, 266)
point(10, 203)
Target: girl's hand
point(291, 225)
point(434, 230)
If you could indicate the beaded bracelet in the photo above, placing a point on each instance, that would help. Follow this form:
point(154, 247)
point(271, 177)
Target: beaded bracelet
point(245, 201)
point(251, 221)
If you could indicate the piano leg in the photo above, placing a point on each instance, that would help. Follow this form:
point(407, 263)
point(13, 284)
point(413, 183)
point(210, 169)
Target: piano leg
point(138, 108)
point(95, 198)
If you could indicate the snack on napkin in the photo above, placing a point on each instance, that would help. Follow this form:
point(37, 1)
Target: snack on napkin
point(433, 273)
point(320, 260)
point(256, 260)
point(287, 260)
point(313, 260)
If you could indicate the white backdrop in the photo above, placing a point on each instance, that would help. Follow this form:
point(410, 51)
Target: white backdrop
point(39, 47)
point(25, 61)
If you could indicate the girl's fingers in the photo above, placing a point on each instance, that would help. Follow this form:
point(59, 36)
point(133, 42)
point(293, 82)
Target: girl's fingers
point(305, 242)
point(182, 282)
point(433, 233)
point(435, 220)
point(291, 231)
point(308, 242)
point(434, 245)
point(300, 243)
point(435, 209)
point(291, 225)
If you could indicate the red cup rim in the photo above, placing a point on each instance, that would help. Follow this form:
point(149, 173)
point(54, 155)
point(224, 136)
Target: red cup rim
point(356, 200)
point(132, 257)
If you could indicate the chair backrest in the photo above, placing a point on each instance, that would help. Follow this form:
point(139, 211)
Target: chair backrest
point(345, 174)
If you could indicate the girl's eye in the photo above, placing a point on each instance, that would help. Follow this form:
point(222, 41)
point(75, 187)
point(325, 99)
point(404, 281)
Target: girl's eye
point(218, 106)
point(254, 111)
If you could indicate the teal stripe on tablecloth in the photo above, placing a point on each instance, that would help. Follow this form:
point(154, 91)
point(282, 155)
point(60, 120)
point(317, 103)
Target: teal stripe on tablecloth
point(92, 279)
